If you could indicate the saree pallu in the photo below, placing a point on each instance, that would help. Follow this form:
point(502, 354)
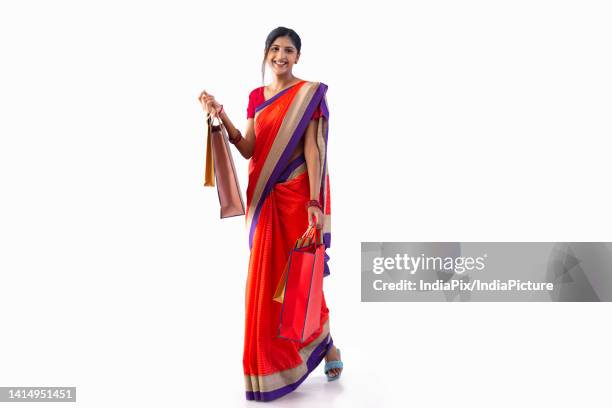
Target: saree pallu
point(276, 216)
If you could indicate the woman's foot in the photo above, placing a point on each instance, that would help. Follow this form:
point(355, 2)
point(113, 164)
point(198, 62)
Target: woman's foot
point(332, 354)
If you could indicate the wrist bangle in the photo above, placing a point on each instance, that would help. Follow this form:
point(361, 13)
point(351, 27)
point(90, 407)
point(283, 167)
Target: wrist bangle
point(314, 203)
point(236, 139)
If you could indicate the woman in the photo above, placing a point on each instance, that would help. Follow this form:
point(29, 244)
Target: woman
point(288, 191)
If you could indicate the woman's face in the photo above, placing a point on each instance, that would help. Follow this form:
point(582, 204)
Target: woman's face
point(282, 55)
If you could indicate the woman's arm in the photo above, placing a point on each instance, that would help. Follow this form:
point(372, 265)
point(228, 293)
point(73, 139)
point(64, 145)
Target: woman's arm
point(313, 160)
point(313, 164)
point(245, 146)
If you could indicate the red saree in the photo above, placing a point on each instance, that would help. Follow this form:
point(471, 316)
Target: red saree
point(276, 216)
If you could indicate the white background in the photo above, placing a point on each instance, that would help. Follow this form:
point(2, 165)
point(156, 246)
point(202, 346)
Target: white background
point(449, 121)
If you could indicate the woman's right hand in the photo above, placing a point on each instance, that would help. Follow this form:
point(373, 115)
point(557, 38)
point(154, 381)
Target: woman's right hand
point(209, 103)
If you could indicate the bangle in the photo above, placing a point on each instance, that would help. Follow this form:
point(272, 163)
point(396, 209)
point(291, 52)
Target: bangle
point(236, 139)
point(220, 111)
point(314, 203)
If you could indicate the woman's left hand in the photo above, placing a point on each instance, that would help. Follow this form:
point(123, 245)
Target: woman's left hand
point(315, 217)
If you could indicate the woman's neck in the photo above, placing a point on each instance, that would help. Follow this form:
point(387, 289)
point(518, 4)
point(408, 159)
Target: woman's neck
point(281, 82)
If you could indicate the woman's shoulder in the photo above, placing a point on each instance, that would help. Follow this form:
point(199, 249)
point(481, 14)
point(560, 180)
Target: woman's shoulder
point(256, 90)
point(256, 96)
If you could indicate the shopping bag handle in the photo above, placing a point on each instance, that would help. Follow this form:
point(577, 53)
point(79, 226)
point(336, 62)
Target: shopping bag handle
point(210, 118)
point(310, 233)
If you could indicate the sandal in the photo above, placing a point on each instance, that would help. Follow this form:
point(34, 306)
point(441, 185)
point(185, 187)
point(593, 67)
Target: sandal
point(334, 364)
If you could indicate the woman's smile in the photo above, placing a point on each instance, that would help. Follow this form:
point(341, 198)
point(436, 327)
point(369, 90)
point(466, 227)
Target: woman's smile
point(280, 64)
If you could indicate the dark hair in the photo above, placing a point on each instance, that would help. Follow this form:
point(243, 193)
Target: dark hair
point(274, 34)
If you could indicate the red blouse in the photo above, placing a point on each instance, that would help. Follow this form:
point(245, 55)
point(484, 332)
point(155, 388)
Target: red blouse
point(256, 98)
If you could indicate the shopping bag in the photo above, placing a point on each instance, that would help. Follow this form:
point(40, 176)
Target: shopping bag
point(306, 240)
point(300, 289)
point(220, 167)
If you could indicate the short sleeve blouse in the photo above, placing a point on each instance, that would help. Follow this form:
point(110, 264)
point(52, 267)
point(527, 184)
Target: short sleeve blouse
point(256, 98)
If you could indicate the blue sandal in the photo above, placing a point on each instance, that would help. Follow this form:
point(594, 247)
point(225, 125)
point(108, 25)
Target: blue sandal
point(334, 364)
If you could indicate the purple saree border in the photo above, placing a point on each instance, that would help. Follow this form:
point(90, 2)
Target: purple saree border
point(327, 235)
point(313, 362)
point(290, 167)
point(282, 162)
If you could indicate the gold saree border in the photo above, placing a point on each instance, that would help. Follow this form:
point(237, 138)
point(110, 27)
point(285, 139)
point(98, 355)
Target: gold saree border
point(274, 381)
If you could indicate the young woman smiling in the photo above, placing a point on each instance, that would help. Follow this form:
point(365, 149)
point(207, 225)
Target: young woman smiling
point(288, 191)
